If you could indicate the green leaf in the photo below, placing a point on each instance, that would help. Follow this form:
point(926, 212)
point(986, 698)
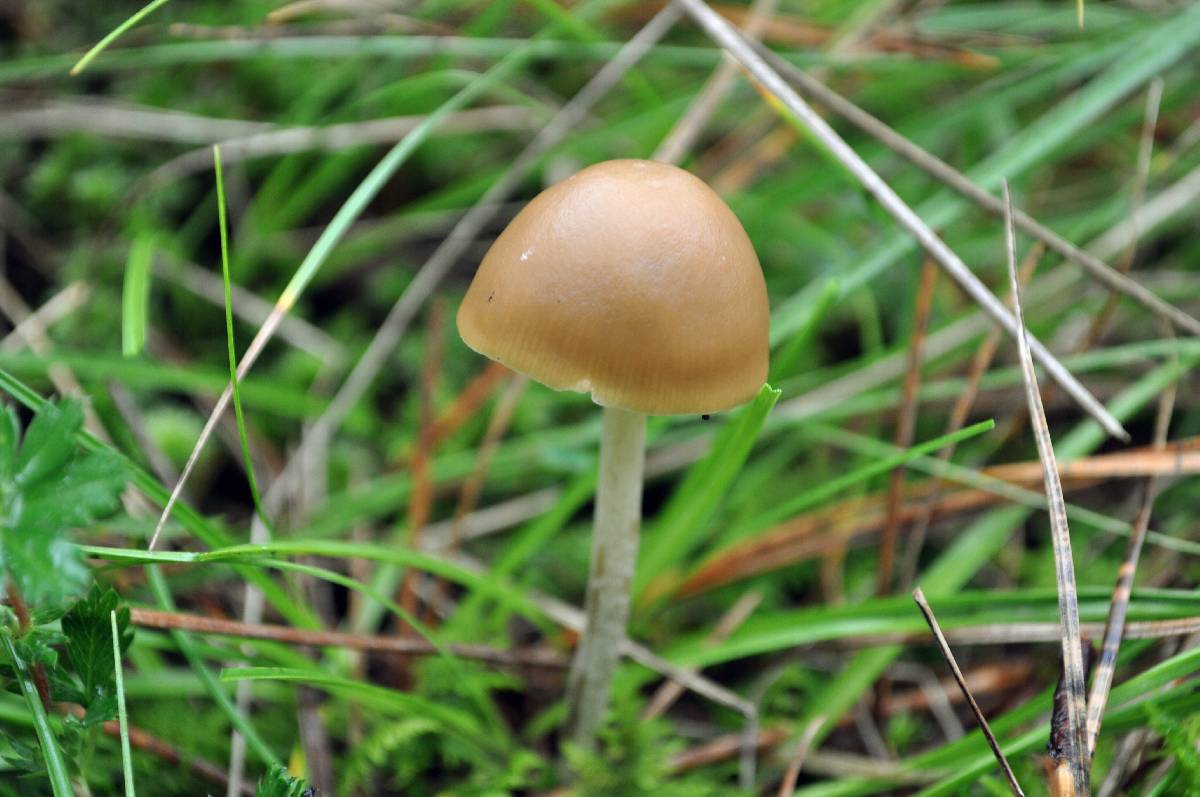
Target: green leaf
point(49, 441)
point(278, 783)
point(87, 489)
point(51, 487)
point(89, 647)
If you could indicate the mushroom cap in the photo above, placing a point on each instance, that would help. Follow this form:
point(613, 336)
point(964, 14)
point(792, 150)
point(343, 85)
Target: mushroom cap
point(630, 280)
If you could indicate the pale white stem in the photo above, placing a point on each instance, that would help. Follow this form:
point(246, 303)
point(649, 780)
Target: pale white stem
point(614, 555)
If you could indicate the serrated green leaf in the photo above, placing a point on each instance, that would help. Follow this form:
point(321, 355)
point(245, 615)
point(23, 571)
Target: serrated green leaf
point(278, 783)
point(52, 487)
point(87, 627)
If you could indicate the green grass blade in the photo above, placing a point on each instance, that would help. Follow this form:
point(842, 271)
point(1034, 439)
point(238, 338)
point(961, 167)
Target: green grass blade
point(56, 765)
point(122, 717)
point(135, 300)
point(500, 591)
point(453, 722)
point(223, 226)
point(116, 32)
point(677, 530)
point(832, 487)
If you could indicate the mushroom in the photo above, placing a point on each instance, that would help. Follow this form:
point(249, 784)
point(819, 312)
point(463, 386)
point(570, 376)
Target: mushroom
point(632, 281)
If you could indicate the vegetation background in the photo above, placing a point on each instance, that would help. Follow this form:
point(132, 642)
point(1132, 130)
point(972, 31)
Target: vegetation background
point(433, 510)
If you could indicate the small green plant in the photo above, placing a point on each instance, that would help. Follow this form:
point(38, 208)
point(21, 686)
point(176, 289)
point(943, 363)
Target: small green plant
point(48, 487)
point(278, 783)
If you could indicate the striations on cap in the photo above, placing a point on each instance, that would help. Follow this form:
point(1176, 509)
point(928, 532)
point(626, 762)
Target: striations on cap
point(631, 280)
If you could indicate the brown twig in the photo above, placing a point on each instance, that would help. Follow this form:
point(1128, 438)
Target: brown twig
point(906, 420)
point(803, 747)
point(1068, 598)
point(823, 530)
point(152, 618)
point(944, 646)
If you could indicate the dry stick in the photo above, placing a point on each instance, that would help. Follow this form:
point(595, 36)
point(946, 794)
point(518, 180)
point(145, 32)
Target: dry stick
point(737, 614)
point(803, 747)
point(1119, 608)
point(1060, 778)
point(1068, 598)
point(944, 646)
point(465, 233)
point(152, 618)
point(57, 307)
point(906, 419)
point(1026, 633)
point(333, 138)
point(959, 182)
point(958, 418)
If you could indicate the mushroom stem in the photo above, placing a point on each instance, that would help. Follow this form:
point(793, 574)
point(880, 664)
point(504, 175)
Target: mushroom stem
point(614, 556)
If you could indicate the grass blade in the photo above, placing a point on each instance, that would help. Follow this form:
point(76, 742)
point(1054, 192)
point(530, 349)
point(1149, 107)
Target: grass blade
point(122, 718)
point(1068, 598)
point(116, 32)
point(817, 494)
point(698, 495)
point(56, 765)
point(223, 226)
point(135, 298)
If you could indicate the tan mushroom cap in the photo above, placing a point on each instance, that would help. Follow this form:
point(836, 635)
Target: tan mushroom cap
point(631, 280)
